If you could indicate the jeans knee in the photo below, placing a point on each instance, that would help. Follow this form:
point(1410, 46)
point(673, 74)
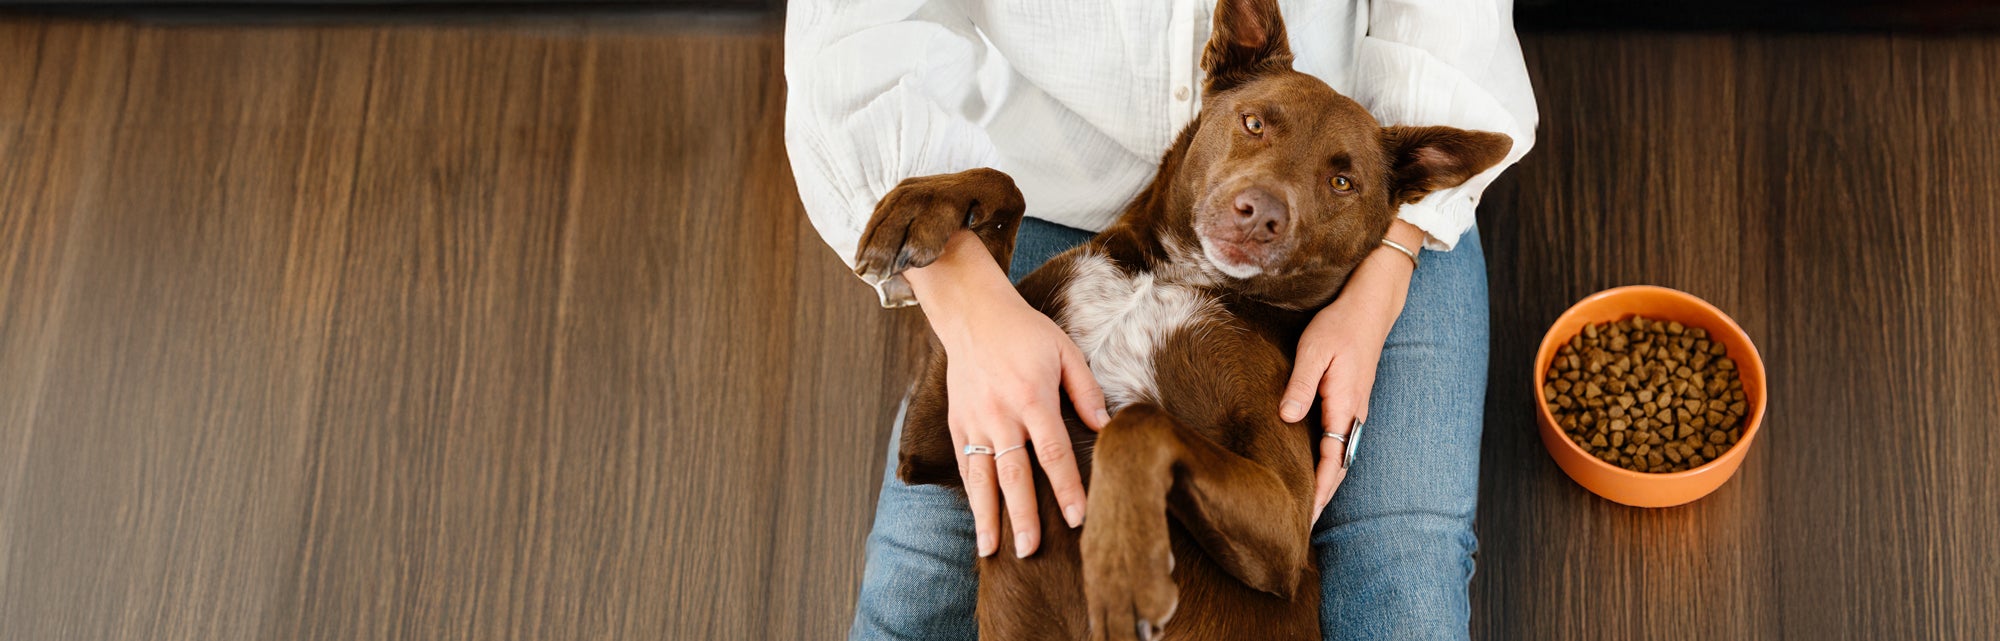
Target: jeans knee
point(1402, 576)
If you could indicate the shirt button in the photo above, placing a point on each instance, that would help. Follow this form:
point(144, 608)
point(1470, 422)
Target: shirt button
point(1181, 93)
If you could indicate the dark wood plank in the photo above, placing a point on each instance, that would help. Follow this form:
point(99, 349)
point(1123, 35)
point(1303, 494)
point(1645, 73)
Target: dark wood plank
point(62, 94)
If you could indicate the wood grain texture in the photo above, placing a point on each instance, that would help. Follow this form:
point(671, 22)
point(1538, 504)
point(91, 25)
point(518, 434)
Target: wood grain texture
point(519, 332)
point(420, 333)
point(1836, 195)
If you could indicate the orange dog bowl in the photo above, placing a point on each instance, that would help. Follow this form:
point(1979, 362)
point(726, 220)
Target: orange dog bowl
point(1638, 488)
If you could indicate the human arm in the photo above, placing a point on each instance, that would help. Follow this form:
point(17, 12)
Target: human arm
point(883, 92)
point(1422, 62)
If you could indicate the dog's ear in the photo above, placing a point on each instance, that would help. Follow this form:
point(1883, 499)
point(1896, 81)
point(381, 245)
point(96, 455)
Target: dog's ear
point(1248, 39)
point(1426, 159)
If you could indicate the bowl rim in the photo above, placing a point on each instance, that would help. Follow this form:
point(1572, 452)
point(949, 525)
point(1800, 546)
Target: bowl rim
point(1756, 416)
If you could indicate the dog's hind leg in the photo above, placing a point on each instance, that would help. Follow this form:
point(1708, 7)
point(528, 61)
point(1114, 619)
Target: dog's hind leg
point(1147, 466)
point(912, 223)
point(927, 456)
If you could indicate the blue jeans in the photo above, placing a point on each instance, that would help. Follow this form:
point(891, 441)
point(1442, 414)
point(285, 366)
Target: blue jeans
point(1395, 545)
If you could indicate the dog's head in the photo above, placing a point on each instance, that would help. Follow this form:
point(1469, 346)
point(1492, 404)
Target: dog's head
point(1288, 184)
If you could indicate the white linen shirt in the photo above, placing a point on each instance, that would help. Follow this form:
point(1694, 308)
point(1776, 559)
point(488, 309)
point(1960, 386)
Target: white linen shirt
point(1078, 100)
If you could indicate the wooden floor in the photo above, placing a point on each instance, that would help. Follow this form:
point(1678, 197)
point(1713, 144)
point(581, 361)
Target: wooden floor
point(518, 332)
point(1840, 197)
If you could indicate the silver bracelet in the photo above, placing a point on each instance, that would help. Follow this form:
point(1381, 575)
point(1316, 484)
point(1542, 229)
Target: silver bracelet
point(1414, 263)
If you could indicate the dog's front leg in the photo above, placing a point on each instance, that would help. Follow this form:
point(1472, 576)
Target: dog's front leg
point(911, 224)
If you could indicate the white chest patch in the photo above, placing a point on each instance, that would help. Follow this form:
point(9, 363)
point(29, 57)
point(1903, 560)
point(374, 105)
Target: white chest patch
point(1119, 322)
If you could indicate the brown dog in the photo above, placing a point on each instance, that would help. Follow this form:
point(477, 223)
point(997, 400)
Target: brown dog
point(1189, 310)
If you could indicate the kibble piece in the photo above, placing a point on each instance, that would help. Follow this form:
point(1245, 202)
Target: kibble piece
point(1617, 439)
point(1717, 437)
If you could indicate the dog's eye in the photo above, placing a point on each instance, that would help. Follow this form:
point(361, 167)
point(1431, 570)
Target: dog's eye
point(1253, 125)
point(1341, 183)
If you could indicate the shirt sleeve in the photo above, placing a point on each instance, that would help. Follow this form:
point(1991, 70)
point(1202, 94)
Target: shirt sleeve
point(1447, 62)
point(878, 91)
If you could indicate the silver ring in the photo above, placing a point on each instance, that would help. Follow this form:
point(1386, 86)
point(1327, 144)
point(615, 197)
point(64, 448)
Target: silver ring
point(978, 449)
point(1005, 451)
point(1338, 437)
point(1353, 445)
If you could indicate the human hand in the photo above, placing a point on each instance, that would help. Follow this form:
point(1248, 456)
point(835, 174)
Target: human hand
point(1339, 351)
point(1005, 362)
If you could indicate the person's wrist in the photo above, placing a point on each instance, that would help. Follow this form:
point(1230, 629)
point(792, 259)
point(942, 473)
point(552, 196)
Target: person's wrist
point(955, 288)
point(1408, 239)
point(1382, 280)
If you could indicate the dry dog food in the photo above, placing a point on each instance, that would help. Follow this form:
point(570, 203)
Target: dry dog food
point(1646, 395)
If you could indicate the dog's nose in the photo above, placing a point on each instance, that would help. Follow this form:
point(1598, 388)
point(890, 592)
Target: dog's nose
point(1261, 217)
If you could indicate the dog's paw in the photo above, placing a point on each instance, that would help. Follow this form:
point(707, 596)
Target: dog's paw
point(1128, 578)
point(912, 223)
point(909, 227)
